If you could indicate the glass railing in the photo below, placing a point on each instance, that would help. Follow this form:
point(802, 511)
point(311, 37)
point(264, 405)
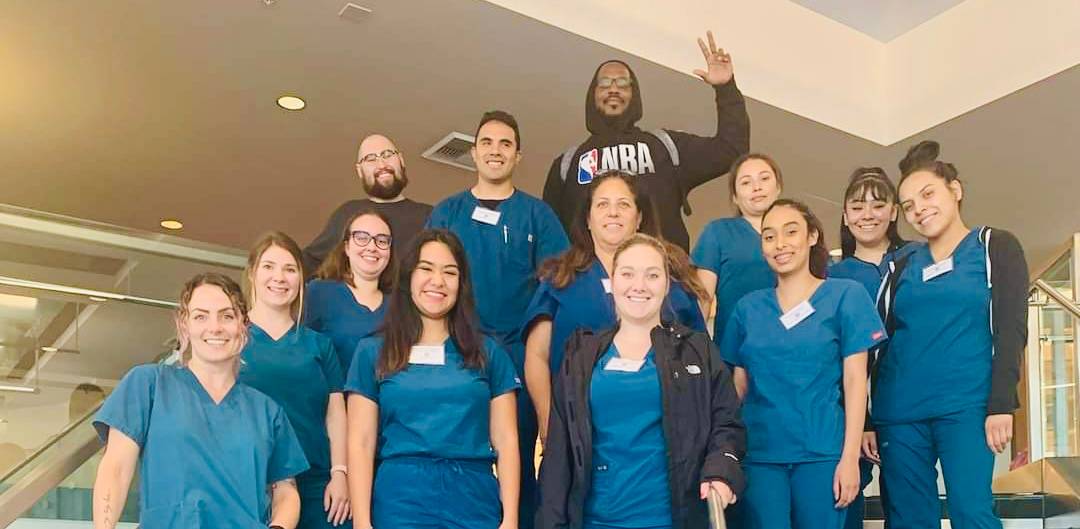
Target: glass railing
point(1052, 371)
point(81, 303)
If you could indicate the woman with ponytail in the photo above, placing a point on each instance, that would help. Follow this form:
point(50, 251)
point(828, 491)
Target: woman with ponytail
point(956, 307)
point(800, 353)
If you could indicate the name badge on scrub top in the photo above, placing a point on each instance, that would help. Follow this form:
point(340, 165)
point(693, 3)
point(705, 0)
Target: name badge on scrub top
point(607, 284)
point(429, 355)
point(485, 215)
point(939, 268)
point(799, 313)
point(628, 365)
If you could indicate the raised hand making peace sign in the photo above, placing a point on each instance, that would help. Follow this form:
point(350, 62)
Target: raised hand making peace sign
point(720, 70)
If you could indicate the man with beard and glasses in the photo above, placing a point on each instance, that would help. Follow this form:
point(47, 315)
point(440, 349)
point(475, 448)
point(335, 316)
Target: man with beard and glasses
point(669, 163)
point(381, 168)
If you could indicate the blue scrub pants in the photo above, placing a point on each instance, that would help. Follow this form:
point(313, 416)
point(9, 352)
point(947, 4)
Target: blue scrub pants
point(527, 434)
point(312, 514)
point(908, 454)
point(790, 496)
point(427, 493)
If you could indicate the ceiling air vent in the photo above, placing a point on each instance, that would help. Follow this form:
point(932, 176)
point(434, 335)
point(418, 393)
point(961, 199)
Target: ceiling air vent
point(354, 13)
point(453, 150)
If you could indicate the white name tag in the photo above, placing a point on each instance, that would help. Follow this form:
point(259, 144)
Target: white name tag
point(607, 284)
point(792, 317)
point(624, 364)
point(430, 355)
point(937, 269)
point(485, 215)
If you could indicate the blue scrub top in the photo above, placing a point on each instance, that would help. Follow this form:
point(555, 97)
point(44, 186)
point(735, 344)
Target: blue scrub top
point(585, 304)
point(503, 257)
point(630, 465)
point(938, 361)
point(793, 407)
point(201, 464)
point(731, 249)
point(439, 411)
point(868, 274)
point(865, 273)
point(331, 309)
point(299, 371)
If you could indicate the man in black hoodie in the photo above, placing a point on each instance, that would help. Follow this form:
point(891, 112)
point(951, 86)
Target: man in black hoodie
point(671, 163)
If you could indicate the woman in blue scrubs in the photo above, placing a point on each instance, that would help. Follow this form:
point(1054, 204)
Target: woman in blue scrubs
point(211, 452)
point(297, 367)
point(869, 240)
point(800, 353)
point(575, 288)
point(945, 389)
point(644, 420)
point(728, 252)
point(433, 403)
point(345, 302)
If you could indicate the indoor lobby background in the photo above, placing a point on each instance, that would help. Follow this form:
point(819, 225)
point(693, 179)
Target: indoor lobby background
point(118, 115)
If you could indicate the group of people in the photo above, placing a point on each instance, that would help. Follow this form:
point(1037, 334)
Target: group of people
point(433, 344)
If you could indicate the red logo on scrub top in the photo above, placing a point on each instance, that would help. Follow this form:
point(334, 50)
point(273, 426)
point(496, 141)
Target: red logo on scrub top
point(877, 335)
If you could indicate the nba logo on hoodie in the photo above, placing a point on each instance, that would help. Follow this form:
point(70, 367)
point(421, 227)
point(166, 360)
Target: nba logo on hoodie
point(587, 166)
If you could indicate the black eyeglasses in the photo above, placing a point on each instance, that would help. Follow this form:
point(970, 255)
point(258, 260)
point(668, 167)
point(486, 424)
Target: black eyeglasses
point(362, 238)
point(385, 155)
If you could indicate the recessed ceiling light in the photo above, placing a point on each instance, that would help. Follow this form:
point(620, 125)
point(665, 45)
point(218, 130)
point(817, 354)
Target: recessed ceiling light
point(836, 252)
point(171, 224)
point(291, 102)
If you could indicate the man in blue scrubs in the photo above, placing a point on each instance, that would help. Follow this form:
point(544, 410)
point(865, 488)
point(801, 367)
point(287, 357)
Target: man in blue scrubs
point(507, 233)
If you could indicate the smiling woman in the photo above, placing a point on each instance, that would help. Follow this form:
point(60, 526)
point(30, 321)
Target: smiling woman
point(949, 373)
point(198, 413)
point(346, 301)
point(434, 402)
point(298, 368)
point(613, 404)
point(792, 348)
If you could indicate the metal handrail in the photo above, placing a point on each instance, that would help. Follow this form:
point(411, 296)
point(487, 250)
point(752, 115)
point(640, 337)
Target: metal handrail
point(1066, 303)
point(24, 493)
point(65, 289)
point(49, 444)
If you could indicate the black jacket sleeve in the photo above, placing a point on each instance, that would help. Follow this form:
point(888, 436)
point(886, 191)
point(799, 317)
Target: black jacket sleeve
point(314, 253)
point(557, 466)
point(553, 191)
point(704, 158)
point(727, 436)
point(1008, 299)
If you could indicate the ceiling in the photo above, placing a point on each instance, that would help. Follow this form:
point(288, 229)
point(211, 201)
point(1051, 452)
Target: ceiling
point(882, 19)
point(170, 113)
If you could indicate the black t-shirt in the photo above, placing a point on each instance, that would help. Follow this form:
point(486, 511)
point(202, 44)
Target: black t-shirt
point(406, 218)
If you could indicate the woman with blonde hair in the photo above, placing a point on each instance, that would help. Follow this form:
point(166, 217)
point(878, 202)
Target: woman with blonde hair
point(298, 368)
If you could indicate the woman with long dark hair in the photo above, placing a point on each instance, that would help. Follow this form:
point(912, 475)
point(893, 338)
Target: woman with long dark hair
point(433, 401)
point(575, 288)
point(800, 353)
point(945, 390)
point(869, 240)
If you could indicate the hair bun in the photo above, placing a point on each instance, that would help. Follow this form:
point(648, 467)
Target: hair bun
point(921, 153)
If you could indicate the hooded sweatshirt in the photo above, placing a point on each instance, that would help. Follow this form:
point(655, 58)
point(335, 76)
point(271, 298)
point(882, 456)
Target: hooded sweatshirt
point(618, 143)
